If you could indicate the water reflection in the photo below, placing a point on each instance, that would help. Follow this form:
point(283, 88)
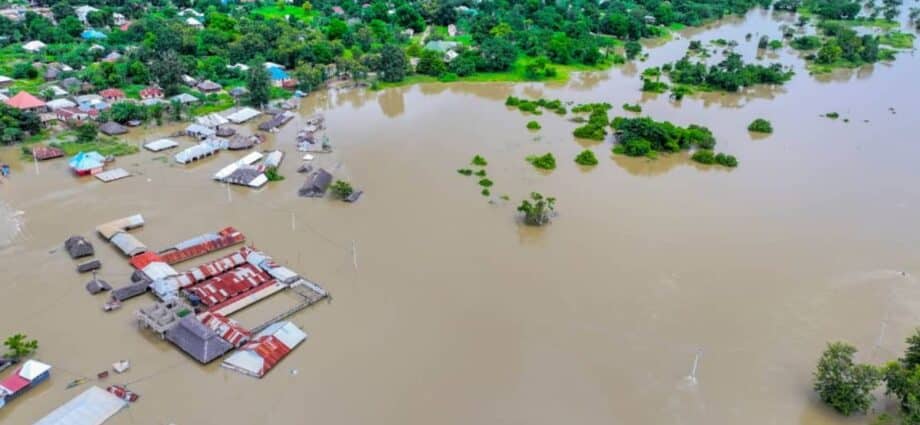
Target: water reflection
point(646, 167)
point(392, 101)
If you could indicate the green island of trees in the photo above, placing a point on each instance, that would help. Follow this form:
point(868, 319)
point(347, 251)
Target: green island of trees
point(848, 387)
point(533, 106)
point(479, 161)
point(731, 74)
point(543, 162)
point(533, 125)
point(760, 125)
point(595, 128)
point(647, 137)
point(632, 108)
point(538, 210)
point(586, 158)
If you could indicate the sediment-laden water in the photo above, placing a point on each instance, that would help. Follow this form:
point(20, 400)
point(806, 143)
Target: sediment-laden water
point(457, 314)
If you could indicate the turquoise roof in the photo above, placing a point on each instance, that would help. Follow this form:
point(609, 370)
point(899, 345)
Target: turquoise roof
point(87, 160)
point(277, 73)
point(92, 35)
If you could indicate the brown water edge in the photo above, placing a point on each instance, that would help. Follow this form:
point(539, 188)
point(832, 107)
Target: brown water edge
point(457, 314)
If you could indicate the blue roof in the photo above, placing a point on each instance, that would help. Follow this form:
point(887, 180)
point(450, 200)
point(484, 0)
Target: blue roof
point(87, 160)
point(92, 35)
point(277, 73)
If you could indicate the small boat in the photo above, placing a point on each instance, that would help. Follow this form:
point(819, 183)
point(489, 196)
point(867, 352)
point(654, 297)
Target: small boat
point(123, 393)
point(121, 366)
point(111, 305)
point(102, 375)
point(76, 383)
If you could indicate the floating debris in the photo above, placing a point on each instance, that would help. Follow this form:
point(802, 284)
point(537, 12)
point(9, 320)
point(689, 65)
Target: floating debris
point(121, 366)
point(102, 375)
point(76, 383)
point(111, 305)
point(123, 393)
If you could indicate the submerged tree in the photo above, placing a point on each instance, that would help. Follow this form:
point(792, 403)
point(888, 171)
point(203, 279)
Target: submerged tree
point(842, 384)
point(537, 210)
point(258, 84)
point(341, 189)
point(20, 346)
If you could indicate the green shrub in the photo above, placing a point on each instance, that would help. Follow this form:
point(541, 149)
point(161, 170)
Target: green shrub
point(341, 189)
point(760, 125)
point(545, 162)
point(704, 156)
point(465, 171)
point(586, 157)
point(726, 160)
point(478, 160)
point(485, 192)
point(533, 125)
point(537, 210)
point(272, 174)
point(480, 173)
point(485, 183)
point(832, 115)
point(632, 108)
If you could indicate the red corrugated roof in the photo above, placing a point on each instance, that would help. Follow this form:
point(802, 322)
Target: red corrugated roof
point(143, 260)
point(112, 93)
point(14, 382)
point(24, 100)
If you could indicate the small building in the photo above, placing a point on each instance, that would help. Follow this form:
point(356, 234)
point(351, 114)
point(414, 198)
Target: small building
point(24, 101)
point(75, 115)
point(93, 406)
point(52, 72)
point(194, 23)
point(6, 81)
point(118, 19)
point(87, 163)
point(240, 142)
point(162, 316)
point(152, 92)
point(34, 46)
point(160, 145)
point(243, 115)
point(83, 12)
point(266, 350)
point(92, 35)
point(96, 286)
point(57, 90)
point(200, 151)
point(278, 76)
point(248, 176)
point(273, 158)
point(112, 57)
point(130, 291)
point(43, 153)
point(128, 244)
point(208, 86)
point(30, 374)
point(71, 84)
point(62, 103)
point(112, 128)
point(212, 120)
point(78, 247)
point(316, 184)
point(199, 131)
point(188, 80)
point(184, 98)
point(112, 95)
point(197, 340)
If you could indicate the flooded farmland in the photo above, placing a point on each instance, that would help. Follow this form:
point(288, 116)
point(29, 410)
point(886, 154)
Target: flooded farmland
point(446, 310)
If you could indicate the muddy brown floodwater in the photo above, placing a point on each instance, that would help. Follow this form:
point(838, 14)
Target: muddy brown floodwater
point(456, 314)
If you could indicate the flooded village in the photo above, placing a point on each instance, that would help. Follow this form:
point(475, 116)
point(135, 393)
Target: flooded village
point(213, 278)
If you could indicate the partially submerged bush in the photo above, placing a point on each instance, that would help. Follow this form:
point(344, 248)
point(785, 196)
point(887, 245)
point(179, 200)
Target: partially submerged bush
point(632, 108)
point(478, 160)
point(760, 125)
point(704, 156)
point(341, 189)
point(485, 183)
point(533, 125)
point(480, 173)
point(586, 157)
point(465, 171)
point(537, 210)
point(271, 173)
point(545, 162)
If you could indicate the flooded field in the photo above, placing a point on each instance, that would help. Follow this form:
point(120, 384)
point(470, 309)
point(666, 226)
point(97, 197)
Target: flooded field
point(457, 314)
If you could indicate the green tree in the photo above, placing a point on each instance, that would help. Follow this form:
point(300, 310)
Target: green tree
point(537, 210)
point(167, 71)
point(587, 158)
point(86, 133)
point(497, 54)
point(393, 63)
point(20, 346)
point(633, 48)
point(341, 189)
point(760, 125)
point(842, 384)
point(431, 63)
point(259, 84)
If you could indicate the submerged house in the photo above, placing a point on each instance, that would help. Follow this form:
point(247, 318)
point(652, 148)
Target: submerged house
point(197, 340)
point(78, 246)
point(266, 350)
point(93, 406)
point(30, 374)
point(316, 185)
point(199, 131)
point(87, 163)
point(112, 128)
point(199, 151)
point(278, 75)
